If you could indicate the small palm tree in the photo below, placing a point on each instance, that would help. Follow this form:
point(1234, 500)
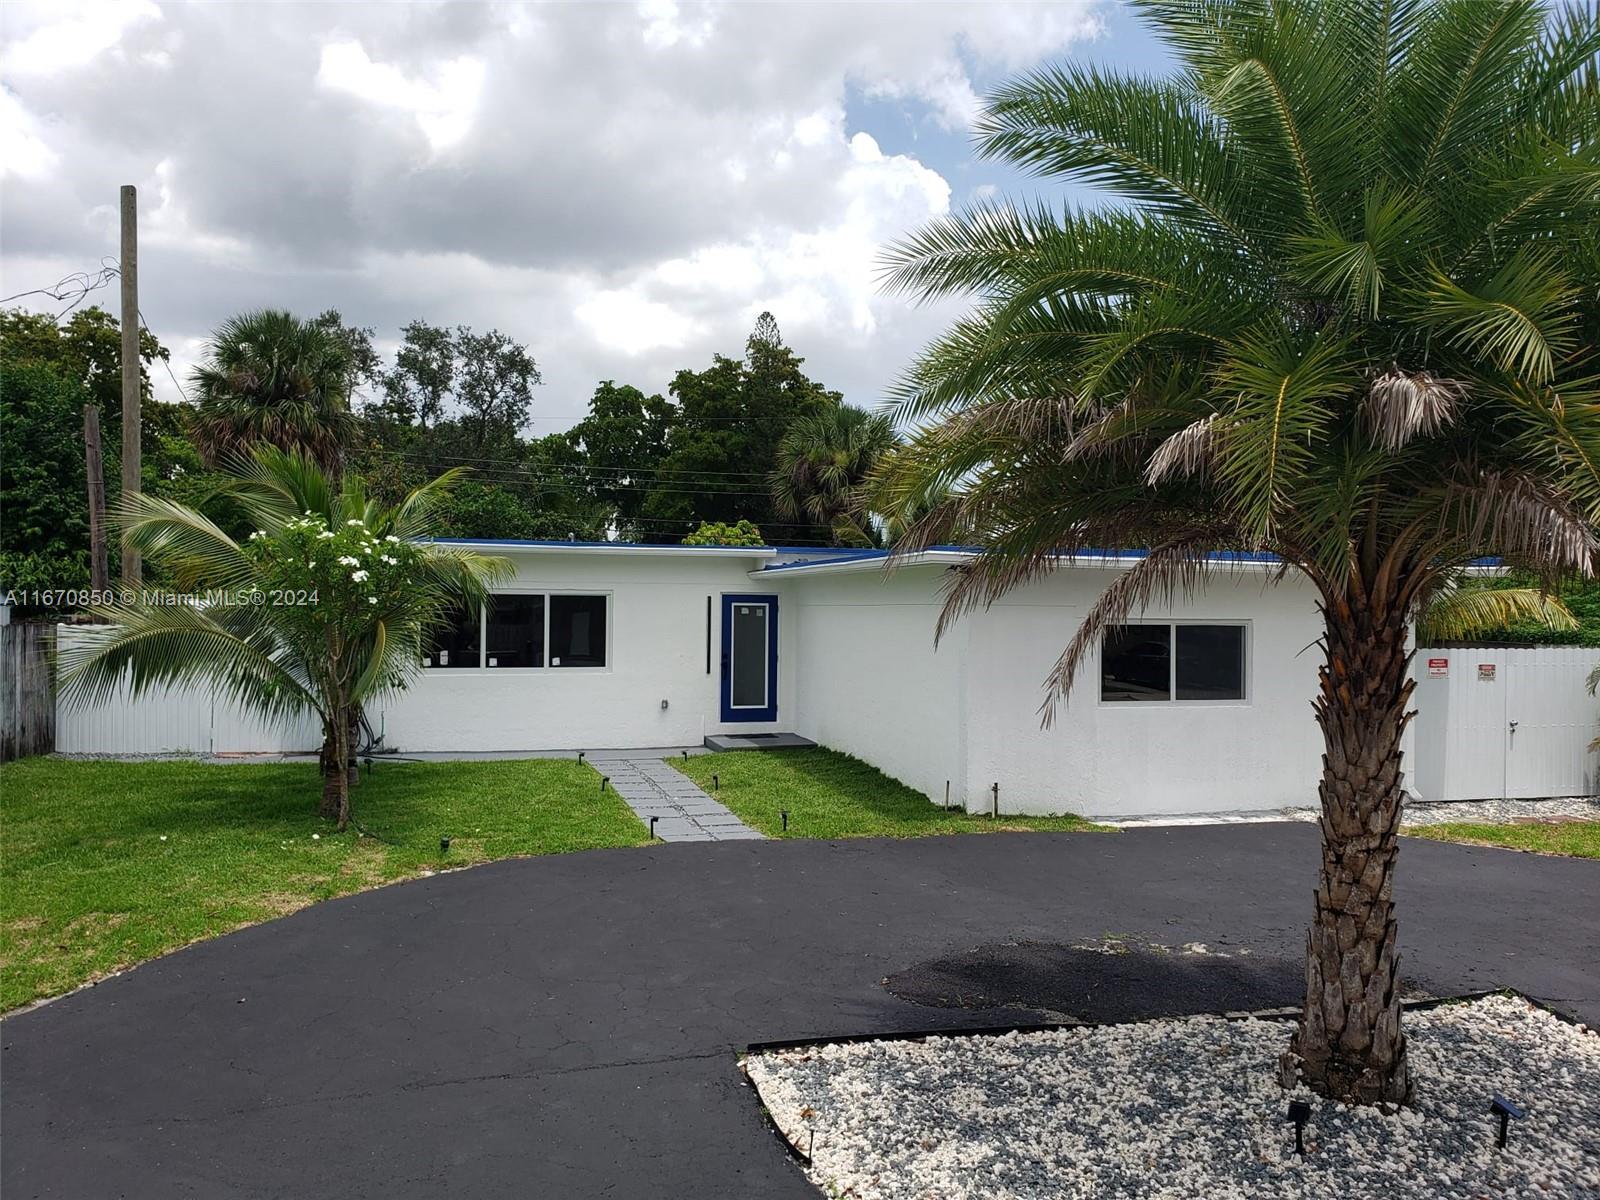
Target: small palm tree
point(270, 378)
point(824, 461)
point(327, 607)
point(1344, 311)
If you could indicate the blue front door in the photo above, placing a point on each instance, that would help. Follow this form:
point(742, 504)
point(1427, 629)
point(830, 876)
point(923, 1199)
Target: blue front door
point(749, 658)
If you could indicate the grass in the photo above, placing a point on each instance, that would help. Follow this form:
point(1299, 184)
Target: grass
point(1577, 839)
point(831, 795)
point(108, 864)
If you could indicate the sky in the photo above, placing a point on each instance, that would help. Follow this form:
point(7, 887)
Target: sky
point(622, 187)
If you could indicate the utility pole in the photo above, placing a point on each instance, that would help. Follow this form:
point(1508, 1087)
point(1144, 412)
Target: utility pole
point(98, 578)
point(132, 571)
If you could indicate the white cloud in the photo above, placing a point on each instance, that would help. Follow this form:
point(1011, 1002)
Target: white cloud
point(58, 36)
point(23, 150)
point(625, 321)
point(623, 188)
point(443, 108)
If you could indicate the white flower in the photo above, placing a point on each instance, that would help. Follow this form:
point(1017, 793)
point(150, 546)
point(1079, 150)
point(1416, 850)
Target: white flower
point(163, 837)
point(326, 533)
point(316, 837)
point(260, 533)
point(393, 562)
point(372, 599)
point(346, 561)
point(312, 563)
point(354, 521)
point(391, 538)
point(358, 576)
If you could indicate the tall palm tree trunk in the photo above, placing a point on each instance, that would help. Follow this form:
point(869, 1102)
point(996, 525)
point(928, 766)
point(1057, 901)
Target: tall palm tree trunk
point(1349, 1043)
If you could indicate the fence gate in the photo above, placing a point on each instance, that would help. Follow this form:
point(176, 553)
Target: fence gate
point(1505, 723)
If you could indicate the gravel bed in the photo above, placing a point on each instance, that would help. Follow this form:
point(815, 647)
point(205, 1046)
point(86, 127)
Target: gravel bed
point(1417, 812)
point(1190, 1110)
point(1500, 812)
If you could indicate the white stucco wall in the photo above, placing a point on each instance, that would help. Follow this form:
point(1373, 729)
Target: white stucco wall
point(657, 629)
point(1109, 759)
point(869, 680)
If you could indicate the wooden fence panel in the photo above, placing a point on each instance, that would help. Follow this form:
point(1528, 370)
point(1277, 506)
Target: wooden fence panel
point(27, 694)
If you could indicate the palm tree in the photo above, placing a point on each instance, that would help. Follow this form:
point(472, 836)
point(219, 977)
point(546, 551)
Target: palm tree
point(270, 378)
point(1340, 312)
point(327, 607)
point(823, 462)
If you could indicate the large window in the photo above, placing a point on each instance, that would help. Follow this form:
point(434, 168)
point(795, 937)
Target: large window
point(577, 631)
point(526, 630)
point(1173, 661)
point(455, 644)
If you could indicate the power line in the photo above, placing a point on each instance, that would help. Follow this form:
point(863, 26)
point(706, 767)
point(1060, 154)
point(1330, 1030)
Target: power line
point(165, 360)
point(72, 288)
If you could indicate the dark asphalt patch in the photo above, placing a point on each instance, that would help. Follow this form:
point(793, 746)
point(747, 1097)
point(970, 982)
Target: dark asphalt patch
point(1122, 984)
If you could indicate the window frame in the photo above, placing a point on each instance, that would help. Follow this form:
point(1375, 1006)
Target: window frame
point(482, 665)
point(1172, 701)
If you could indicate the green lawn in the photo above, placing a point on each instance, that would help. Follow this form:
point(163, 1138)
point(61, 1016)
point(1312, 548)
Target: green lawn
point(1580, 839)
point(108, 864)
point(831, 795)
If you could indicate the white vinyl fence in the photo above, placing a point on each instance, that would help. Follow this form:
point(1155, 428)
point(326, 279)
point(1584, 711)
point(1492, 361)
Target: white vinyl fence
point(1505, 724)
point(174, 721)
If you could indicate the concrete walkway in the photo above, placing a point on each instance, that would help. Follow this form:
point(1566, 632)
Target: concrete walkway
point(682, 811)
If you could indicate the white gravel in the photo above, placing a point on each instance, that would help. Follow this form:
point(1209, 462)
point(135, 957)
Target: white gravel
point(1497, 812)
point(1190, 1110)
point(1417, 812)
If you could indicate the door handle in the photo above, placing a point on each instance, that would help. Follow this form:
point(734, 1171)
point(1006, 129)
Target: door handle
point(1513, 726)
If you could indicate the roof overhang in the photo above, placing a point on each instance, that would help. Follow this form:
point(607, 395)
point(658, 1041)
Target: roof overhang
point(618, 549)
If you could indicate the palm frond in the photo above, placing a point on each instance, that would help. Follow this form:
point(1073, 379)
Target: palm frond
point(1402, 405)
point(1463, 613)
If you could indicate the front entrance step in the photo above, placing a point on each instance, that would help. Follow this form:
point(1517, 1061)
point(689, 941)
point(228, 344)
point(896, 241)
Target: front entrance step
point(758, 741)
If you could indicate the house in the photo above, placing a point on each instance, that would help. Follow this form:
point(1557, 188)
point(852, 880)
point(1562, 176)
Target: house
point(1201, 707)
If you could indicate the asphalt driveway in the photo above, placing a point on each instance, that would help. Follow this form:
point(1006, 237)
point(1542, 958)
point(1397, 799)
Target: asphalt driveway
point(565, 1027)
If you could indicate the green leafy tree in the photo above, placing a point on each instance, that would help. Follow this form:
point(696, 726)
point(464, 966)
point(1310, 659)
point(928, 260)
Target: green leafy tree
point(824, 462)
point(620, 444)
point(716, 533)
point(326, 607)
point(1344, 312)
point(87, 348)
point(48, 372)
point(724, 442)
point(270, 378)
point(44, 522)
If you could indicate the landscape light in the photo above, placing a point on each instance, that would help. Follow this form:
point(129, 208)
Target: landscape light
point(581, 753)
point(784, 813)
point(1506, 1111)
point(1299, 1113)
point(716, 782)
point(653, 821)
point(604, 779)
point(444, 844)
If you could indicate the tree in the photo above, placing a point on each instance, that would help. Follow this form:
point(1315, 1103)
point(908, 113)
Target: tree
point(48, 372)
point(423, 376)
point(88, 349)
point(269, 378)
point(620, 444)
point(715, 533)
point(724, 443)
point(44, 511)
point(366, 367)
point(824, 461)
point(494, 386)
point(326, 607)
point(1343, 314)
